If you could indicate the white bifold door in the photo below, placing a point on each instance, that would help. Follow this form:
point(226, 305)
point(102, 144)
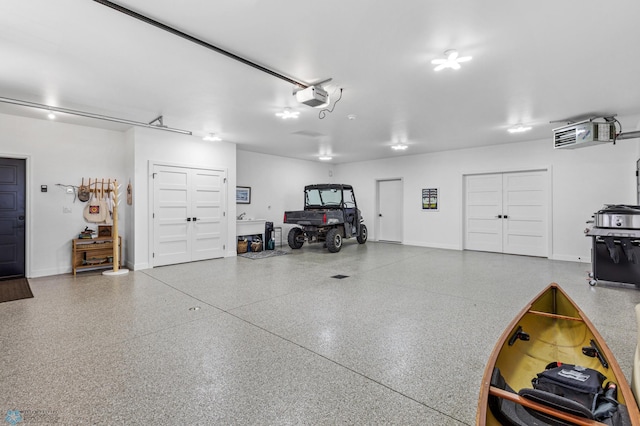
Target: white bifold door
point(189, 220)
point(508, 213)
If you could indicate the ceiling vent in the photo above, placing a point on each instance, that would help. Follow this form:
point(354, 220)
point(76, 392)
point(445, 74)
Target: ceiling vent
point(583, 133)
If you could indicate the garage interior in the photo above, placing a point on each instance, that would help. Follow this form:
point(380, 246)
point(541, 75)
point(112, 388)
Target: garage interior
point(404, 338)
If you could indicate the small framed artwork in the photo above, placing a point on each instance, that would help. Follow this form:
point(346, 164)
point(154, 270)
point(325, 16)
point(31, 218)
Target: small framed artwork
point(430, 199)
point(243, 195)
point(104, 230)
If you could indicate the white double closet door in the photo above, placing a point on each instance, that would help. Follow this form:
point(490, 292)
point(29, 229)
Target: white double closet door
point(508, 213)
point(189, 219)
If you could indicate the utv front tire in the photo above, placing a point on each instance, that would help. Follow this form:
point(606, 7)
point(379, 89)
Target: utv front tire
point(362, 236)
point(295, 238)
point(334, 240)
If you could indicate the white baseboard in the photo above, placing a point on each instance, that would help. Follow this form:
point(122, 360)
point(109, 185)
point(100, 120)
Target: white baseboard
point(571, 258)
point(139, 266)
point(49, 271)
point(432, 245)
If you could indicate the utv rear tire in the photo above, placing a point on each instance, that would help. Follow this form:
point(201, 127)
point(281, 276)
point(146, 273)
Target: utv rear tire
point(334, 240)
point(362, 236)
point(295, 238)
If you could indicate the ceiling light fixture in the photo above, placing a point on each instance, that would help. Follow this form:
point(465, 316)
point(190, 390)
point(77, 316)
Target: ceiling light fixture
point(212, 137)
point(51, 116)
point(159, 126)
point(519, 128)
point(452, 61)
point(287, 113)
point(325, 157)
point(399, 147)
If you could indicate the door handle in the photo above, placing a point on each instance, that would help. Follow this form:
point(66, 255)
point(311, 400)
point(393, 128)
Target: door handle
point(506, 216)
point(380, 214)
point(20, 217)
point(188, 219)
point(499, 216)
point(195, 218)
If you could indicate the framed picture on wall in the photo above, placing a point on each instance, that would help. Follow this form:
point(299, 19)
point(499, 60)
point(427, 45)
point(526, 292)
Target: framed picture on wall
point(243, 195)
point(430, 199)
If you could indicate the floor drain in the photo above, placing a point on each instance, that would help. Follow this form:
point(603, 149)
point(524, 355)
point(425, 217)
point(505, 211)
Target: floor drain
point(340, 276)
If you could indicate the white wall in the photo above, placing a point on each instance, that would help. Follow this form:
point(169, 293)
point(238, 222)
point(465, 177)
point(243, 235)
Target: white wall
point(175, 149)
point(58, 153)
point(582, 181)
point(65, 153)
point(277, 184)
point(128, 211)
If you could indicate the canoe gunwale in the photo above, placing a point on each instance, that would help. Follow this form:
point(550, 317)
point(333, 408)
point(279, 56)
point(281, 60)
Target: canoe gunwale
point(486, 388)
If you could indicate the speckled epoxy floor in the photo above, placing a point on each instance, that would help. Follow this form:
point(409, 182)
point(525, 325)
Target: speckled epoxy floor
point(403, 340)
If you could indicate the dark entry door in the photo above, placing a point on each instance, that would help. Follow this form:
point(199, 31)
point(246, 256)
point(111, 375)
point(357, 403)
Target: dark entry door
point(12, 217)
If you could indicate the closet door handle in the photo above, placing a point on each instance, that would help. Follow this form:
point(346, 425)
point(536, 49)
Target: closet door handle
point(188, 219)
point(499, 216)
point(195, 218)
point(506, 216)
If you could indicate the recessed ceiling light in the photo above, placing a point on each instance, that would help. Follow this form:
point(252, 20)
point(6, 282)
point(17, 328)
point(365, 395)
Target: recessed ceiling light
point(519, 128)
point(452, 61)
point(325, 157)
point(212, 137)
point(399, 147)
point(351, 116)
point(51, 116)
point(287, 113)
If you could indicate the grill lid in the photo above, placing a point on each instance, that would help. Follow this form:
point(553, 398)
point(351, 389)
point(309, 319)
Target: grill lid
point(620, 209)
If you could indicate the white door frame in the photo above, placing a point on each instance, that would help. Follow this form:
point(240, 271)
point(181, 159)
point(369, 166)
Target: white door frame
point(377, 207)
point(549, 185)
point(150, 190)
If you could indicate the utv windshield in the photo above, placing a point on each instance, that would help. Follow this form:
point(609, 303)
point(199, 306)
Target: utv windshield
point(329, 197)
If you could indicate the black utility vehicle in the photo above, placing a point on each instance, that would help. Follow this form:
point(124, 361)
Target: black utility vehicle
point(330, 214)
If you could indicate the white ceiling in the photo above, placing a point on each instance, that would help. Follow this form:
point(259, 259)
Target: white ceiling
point(533, 62)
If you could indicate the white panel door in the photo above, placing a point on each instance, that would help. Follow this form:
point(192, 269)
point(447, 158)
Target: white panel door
point(208, 222)
point(189, 218)
point(172, 207)
point(525, 213)
point(483, 212)
point(390, 202)
point(507, 213)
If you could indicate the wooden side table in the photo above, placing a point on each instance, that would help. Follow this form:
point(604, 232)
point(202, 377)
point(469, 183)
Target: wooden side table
point(93, 253)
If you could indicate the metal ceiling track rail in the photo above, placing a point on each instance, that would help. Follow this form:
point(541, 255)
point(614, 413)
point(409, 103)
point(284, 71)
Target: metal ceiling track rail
point(150, 125)
point(202, 43)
